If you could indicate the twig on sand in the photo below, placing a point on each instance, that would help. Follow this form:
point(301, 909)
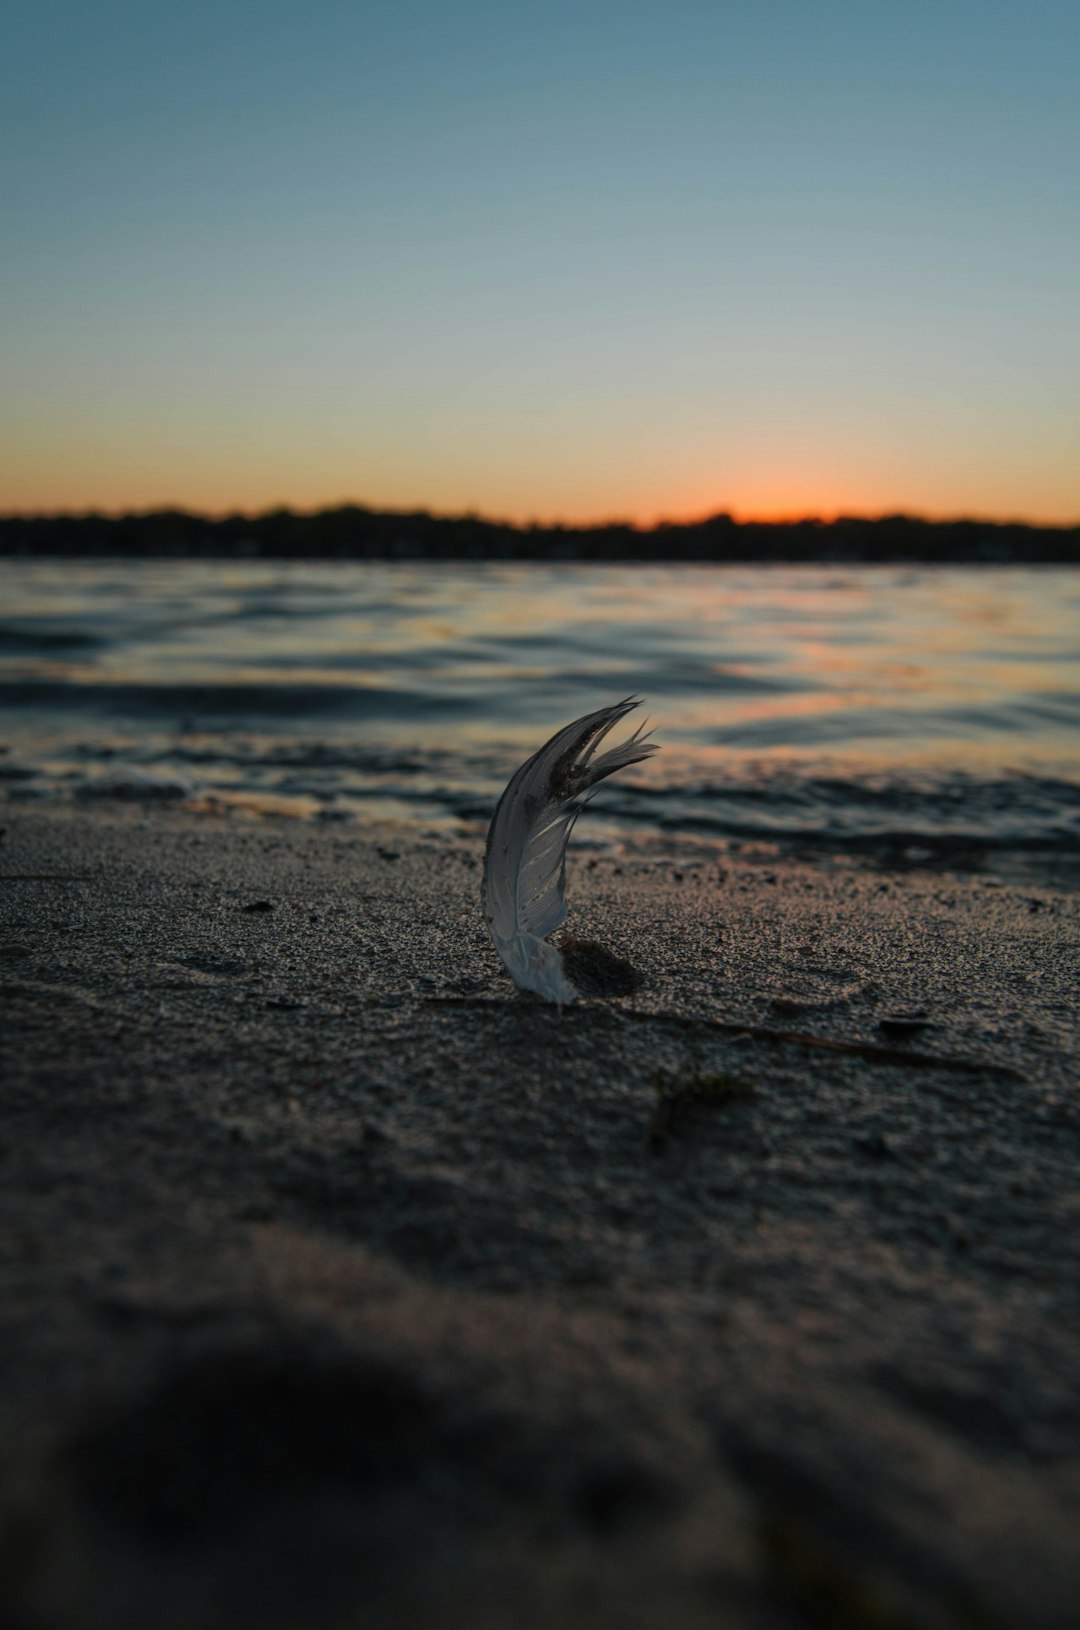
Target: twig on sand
point(871, 1051)
point(805, 1038)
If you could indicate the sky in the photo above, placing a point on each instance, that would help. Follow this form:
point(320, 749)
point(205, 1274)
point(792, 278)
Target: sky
point(574, 261)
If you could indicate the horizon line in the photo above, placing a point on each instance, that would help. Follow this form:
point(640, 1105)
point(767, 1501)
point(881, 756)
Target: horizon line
point(534, 523)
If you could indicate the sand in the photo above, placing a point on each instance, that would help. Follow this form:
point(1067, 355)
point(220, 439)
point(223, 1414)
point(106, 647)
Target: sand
point(342, 1286)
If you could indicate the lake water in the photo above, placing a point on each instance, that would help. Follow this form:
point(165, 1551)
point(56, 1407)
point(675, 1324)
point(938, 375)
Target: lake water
point(918, 712)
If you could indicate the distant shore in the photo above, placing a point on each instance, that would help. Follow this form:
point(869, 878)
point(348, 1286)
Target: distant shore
point(341, 1284)
point(354, 532)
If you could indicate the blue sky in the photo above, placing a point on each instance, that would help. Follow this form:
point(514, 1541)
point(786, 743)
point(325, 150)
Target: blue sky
point(557, 261)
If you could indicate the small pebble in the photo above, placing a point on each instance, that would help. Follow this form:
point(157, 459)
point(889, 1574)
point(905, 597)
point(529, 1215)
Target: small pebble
point(899, 1025)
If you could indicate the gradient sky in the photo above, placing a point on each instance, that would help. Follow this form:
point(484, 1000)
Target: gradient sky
point(571, 260)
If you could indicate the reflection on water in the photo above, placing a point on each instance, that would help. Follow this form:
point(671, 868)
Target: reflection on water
point(789, 701)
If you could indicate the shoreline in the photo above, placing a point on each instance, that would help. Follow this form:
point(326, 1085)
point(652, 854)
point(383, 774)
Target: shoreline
point(580, 1319)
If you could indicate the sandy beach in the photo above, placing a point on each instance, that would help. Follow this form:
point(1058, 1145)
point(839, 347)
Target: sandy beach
point(342, 1286)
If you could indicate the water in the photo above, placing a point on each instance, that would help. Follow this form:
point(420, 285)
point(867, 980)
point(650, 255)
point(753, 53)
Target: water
point(909, 711)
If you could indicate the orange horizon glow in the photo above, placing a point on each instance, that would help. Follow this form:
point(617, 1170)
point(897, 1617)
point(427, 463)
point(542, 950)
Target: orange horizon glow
point(584, 467)
point(465, 484)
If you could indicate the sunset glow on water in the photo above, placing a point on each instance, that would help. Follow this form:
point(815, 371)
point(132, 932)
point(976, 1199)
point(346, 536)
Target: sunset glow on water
point(817, 702)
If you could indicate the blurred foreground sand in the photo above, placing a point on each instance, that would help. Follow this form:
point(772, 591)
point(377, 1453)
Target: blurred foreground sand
point(341, 1286)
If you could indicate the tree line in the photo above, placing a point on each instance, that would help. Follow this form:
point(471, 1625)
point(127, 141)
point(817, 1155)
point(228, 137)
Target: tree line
point(354, 532)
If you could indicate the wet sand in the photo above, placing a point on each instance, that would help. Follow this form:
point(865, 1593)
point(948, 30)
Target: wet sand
point(342, 1286)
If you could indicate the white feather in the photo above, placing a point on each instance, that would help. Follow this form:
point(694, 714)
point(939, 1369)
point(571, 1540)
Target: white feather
point(524, 890)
